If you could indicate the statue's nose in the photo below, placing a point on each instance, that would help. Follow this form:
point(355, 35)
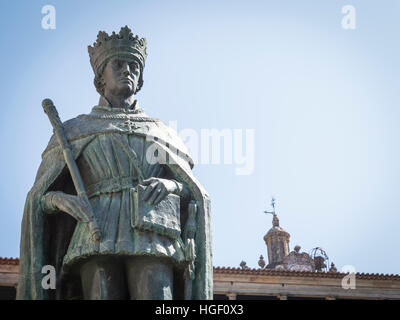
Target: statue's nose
point(126, 71)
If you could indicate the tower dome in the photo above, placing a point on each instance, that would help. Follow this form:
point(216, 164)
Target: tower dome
point(277, 241)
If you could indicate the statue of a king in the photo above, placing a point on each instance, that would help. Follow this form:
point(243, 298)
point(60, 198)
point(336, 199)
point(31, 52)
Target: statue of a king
point(153, 216)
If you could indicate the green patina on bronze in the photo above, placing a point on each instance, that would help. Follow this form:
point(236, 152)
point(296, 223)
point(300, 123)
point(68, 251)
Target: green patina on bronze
point(163, 237)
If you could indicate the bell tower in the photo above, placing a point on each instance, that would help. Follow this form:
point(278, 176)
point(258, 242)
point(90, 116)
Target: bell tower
point(277, 241)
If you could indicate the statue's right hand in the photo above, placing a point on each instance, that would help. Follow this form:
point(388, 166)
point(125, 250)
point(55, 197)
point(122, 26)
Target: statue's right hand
point(73, 205)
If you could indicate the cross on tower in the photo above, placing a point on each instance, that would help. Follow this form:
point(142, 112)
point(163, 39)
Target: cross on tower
point(273, 207)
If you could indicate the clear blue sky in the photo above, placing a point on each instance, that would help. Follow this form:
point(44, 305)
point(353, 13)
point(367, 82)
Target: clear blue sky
point(323, 102)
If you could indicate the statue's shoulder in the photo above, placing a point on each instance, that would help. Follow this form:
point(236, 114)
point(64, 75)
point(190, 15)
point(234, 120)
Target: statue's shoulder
point(74, 122)
point(74, 129)
point(171, 136)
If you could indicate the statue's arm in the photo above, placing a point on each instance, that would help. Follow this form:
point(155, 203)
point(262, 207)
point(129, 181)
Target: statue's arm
point(58, 201)
point(181, 190)
point(47, 204)
point(162, 183)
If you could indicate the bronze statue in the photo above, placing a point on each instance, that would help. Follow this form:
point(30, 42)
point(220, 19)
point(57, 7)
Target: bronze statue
point(115, 207)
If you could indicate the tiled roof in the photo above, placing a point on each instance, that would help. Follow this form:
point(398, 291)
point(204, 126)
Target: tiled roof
point(9, 261)
point(287, 273)
point(269, 272)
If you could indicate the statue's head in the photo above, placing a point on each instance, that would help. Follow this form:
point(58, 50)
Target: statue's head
point(118, 61)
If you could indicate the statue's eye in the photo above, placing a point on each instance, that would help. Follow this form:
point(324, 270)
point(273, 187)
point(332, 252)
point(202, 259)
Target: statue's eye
point(117, 63)
point(133, 66)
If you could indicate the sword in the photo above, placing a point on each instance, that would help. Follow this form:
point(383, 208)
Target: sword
point(58, 128)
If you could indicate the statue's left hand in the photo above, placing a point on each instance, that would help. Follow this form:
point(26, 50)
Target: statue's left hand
point(157, 189)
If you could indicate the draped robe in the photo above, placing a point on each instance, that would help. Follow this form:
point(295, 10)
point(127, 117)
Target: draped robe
point(98, 141)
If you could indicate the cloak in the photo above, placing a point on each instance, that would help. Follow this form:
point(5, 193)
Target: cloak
point(45, 237)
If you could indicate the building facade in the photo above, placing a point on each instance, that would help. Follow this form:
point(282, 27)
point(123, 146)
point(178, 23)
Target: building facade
point(264, 284)
point(287, 276)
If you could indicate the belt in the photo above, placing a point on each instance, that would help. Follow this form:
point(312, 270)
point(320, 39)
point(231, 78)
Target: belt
point(111, 185)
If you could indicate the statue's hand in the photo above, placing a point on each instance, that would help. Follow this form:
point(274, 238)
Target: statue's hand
point(157, 189)
point(73, 205)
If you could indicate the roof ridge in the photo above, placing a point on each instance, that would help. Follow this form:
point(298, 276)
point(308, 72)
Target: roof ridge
point(9, 261)
point(260, 271)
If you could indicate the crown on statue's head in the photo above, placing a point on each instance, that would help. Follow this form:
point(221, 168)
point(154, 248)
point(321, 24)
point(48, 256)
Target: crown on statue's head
point(122, 45)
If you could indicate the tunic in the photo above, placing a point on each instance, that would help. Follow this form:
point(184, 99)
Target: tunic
point(109, 173)
point(48, 237)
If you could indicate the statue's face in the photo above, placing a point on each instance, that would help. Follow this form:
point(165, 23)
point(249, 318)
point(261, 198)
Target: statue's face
point(121, 77)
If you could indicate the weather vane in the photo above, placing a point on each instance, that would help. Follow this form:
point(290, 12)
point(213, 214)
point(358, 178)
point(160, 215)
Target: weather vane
point(273, 206)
